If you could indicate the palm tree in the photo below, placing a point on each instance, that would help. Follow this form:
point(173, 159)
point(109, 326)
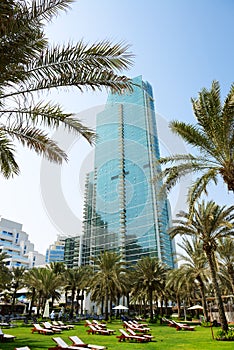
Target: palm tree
point(150, 277)
point(106, 280)
point(195, 266)
point(28, 66)
point(74, 281)
point(45, 284)
point(176, 285)
point(58, 267)
point(31, 282)
point(209, 223)
point(212, 137)
point(5, 275)
point(226, 260)
point(17, 282)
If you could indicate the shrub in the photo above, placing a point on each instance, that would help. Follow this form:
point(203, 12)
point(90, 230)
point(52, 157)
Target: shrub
point(222, 335)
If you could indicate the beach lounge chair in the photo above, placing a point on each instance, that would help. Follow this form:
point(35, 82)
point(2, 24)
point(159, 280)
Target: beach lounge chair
point(147, 336)
point(76, 341)
point(182, 326)
point(136, 323)
point(37, 328)
point(93, 330)
point(55, 329)
point(125, 336)
point(61, 344)
point(69, 326)
point(6, 337)
point(56, 324)
point(102, 325)
point(142, 330)
point(111, 331)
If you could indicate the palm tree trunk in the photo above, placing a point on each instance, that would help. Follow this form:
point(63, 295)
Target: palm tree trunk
point(106, 306)
point(204, 304)
point(77, 301)
point(219, 300)
point(13, 302)
point(32, 301)
point(102, 306)
point(178, 305)
point(72, 303)
point(82, 302)
point(151, 304)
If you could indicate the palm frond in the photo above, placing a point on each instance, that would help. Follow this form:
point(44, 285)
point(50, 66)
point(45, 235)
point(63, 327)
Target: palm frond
point(52, 116)
point(46, 9)
point(193, 136)
point(8, 165)
point(228, 115)
point(200, 186)
point(208, 105)
point(173, 174)
point(94, 80)
point(38, 141)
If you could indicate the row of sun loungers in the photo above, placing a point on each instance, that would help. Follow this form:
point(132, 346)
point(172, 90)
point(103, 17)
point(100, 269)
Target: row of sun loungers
point(49, 328)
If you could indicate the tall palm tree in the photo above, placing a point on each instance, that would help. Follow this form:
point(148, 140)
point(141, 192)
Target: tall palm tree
point(150, 277)
point(212, 137)
point(209, 223)
point(196, 266)
point(106, 280)
point(29, 65)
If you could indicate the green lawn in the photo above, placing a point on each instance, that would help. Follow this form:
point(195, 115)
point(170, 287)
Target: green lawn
point(166, 338)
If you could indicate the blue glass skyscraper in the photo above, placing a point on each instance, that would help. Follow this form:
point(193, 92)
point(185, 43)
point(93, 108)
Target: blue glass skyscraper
point(123, 211)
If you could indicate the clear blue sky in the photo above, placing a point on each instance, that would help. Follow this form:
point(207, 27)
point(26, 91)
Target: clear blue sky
point(180, 46)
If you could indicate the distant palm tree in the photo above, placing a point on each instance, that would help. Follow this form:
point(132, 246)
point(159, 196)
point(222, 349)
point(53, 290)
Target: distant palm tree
point(195, 265)
point(17, 282)
point(176, 285)
point(149, 277)
point(5, 275)
point(74, 281)
point(209, 223)
point(31, 280)
point(28, 66)
point(44, 284)
point(106, 280)
point(212, 137)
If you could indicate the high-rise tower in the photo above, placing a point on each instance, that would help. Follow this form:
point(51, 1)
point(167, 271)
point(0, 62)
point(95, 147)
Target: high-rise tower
point(123, 211)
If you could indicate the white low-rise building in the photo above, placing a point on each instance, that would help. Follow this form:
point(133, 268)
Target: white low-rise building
point(15, 243)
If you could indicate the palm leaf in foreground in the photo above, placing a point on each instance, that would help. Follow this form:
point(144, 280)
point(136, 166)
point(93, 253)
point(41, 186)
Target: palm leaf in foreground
point(28, 66)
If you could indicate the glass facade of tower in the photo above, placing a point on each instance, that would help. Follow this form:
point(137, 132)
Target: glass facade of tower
point(123, 211)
